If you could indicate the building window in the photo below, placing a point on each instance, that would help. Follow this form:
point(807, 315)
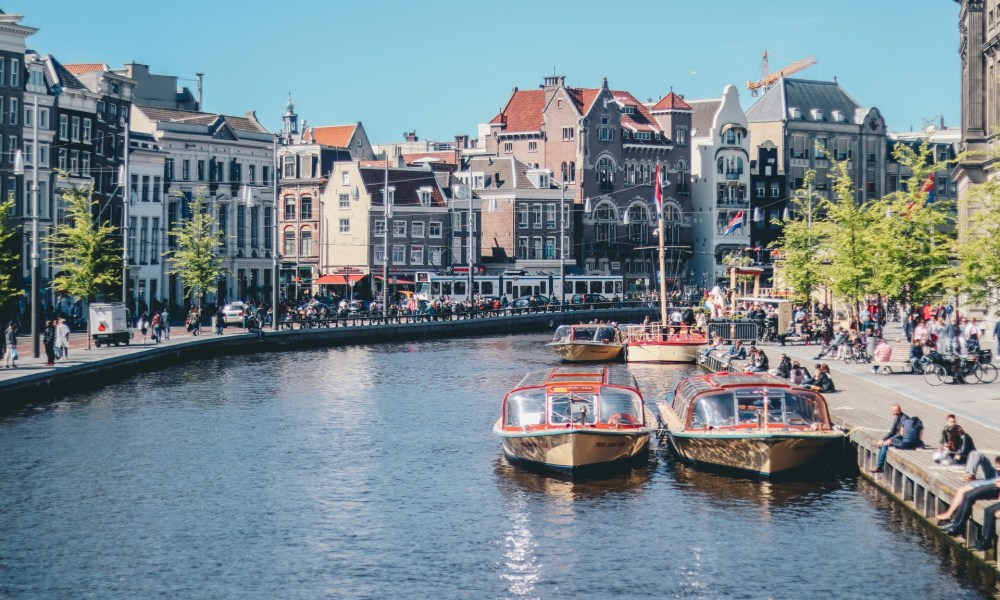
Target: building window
point(74, 161)
point(522, 216)
point(775, 190)
point(344, 201)
point(86, 131)
point(508, 147)
point(399, 228)
point(761, 192)
point(186, 170)
point(550, 247)
point(252, 172)
point(435, 229)
point(399, 255)
point(85, 164)
point(268, 223)
point(568, 133)
point(307, 243)
point(532, 146)
point(550, 216)
point(224, 226)
point(425, 196)
point(154, 242)
point(255, 227)
point(289, 208)
point(680, 135)
point(156, 189)
point(241, 226)
point(434, 256)
point(75, 129)
point(144, 241)
point(306, 212)
point(64, 127)
point(379, 226)
point(379, 257)
point(605, 174)
point(821, 147)
point(417, 229)
point(289, 243)
point(15, 73)
point(43, 155)
point(145, 188)
point(345, 178)
point(61, 159)
point(605, 133)
point(536, 216)
point(344, 226)
point(416, 255)
point(201, 170)
point(288, 172)
point(522, 247)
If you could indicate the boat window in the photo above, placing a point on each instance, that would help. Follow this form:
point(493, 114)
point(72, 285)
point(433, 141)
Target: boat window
point(605, 335)
point(525, 408)
point(713, 410)
point(624, 403)
point(796, 408)
point(572, 408)
point(562, 333)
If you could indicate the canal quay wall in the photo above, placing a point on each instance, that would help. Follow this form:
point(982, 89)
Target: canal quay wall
point(862, 405)
point(89, 369)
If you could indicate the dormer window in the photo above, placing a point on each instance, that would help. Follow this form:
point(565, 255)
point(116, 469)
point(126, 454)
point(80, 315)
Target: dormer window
point(424, 194)
point(629, 109)
point(817, 114)
point(794, 113)
point(838, 116)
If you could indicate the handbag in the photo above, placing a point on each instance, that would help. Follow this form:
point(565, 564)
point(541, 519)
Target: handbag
point(13, 353)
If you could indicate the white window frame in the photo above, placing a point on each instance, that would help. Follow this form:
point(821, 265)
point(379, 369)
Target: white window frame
point(399, 229)
point(417, 229)
point(379, 227)
point(344, 201)
point(435, 229)
point(398, 254)
point(568, 134)
point(417, 254)
point(344, 226)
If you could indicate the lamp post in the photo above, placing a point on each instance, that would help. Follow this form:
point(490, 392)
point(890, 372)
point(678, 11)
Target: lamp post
point(274, 238)
point(387, 193)
point(126, 200)
point(562, 242)
point(472, 252)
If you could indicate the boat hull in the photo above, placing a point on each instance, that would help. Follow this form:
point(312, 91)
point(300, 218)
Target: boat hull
point(575, 448)
point(661, 352)
point(587, 352)
point(759, 453)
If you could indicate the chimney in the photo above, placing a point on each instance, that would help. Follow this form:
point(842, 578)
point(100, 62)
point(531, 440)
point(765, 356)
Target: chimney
point(411, 136)
point(199, 76)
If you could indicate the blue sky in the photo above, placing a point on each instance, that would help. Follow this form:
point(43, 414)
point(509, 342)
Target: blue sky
point(442, 67)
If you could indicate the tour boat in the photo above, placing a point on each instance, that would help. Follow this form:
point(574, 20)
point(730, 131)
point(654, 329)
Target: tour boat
point(573, 419)
point(587, 343)
point(653, 343)
point(749, 422)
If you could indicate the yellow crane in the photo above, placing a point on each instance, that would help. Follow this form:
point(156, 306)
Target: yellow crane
point(768, 79)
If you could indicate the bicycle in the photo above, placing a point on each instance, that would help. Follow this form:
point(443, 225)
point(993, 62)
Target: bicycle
point(857, 352)
point(938, 370)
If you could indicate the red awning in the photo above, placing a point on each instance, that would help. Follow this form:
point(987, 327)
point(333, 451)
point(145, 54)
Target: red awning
point(399, 280)
point(349, 279)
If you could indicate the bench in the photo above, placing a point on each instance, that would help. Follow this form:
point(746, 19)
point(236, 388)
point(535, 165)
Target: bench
point(798, 337)
point(899, 360)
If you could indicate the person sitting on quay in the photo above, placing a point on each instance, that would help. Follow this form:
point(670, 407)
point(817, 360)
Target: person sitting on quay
point(985, 539)
point(955, 445)
point(715, 344)
point(953, 520)
point(822, 382)
point(758, 362)
point(903, 435)
point(881, 354)
point(799, 374)
point(784, 369)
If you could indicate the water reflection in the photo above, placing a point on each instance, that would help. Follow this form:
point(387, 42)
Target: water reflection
point(537, 481)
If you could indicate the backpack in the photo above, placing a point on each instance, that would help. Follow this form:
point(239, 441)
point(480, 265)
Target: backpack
point(918, 425)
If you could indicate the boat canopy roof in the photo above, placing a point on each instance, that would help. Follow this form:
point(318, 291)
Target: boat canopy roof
point(616, 376)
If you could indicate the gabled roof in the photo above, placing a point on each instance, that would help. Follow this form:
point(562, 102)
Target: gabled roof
point(61, 76)
point(506, 173)
point(338, 136)
point(523, 111)
point(805, 95)
point(671, 101)
point(583, 98)
point(641, 119)
point(171, 115)
point(446, 157)
point(407, 183)
point(704, 115)
point(84, 68)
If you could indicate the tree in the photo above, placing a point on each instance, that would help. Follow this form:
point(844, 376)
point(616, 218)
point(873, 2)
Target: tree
point(9, 263)
point(844, 234)
point(978, 273)
point(83, 249)
point(798, 245)
point(197, 259)
point(911, 243)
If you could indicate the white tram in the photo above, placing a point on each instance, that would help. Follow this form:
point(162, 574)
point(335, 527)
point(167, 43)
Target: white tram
point(514, 284)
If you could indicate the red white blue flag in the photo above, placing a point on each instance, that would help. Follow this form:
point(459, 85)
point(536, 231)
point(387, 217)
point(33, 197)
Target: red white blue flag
point(928, 188)
point(736, 223)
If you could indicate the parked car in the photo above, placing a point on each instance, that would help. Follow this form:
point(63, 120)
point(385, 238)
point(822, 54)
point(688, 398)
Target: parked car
point(537, 301)
point(232, 313)
point(590, 301)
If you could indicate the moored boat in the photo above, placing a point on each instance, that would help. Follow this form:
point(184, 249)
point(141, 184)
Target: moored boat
point(653, 343)
point(573, 418)
point(755, 423)
point(587, 343)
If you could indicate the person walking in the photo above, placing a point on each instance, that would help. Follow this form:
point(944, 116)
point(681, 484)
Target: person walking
point(157, 327)
point(165, 320)
point(10, 347)
point(49, 342)
point(220, 322)
point(143, 326)
point(62, 339)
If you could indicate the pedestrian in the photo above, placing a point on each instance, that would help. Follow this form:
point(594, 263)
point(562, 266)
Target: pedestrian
point(143, 326)
point(165, 320)
point(220, 322)
point(62, 339)
point(996, 335)
point(49, 342)
point(10, 347)
point(156, 326)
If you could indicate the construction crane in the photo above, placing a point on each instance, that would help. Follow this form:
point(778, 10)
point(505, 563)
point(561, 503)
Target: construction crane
point(768, 79)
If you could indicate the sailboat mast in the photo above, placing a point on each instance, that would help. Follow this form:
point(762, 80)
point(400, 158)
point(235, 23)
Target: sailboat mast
point(663, 272)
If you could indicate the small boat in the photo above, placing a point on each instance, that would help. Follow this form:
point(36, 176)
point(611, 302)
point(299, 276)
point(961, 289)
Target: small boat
point(653, 343)
point(750, 422)
point(587, 343)
point(573, 419)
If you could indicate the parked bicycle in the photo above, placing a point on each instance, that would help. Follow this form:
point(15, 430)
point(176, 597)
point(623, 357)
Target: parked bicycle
point(975, 369)
point(857, 353)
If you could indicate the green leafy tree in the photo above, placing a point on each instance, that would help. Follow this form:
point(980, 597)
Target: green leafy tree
point(9, 264)
point(798, 246)
point(978, 273)
point(84, 250)
point(911, 238)
point(198, 260)
point(844, 233)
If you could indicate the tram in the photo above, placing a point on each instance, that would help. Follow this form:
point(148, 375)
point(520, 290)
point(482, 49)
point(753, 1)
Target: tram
point(514, 284)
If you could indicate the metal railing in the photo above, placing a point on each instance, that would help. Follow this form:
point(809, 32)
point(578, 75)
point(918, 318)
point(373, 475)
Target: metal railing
point(747, 331)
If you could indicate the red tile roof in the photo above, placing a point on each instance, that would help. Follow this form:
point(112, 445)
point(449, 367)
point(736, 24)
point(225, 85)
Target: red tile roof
point(672, 102)
point(583, 98)
point(447, 157)
point(642, 119)
point(338, 136)
point(523, 111)
point(84, 68)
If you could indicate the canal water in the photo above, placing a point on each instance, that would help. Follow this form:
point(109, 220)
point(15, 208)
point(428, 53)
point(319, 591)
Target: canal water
point(371, 472)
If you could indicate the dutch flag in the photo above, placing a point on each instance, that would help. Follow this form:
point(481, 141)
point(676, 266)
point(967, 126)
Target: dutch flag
point(735, 224)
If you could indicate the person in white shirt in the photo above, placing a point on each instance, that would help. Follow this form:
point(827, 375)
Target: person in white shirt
point(62, 339)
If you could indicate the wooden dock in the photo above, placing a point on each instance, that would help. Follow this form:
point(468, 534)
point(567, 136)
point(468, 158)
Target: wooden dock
point(864, 409)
